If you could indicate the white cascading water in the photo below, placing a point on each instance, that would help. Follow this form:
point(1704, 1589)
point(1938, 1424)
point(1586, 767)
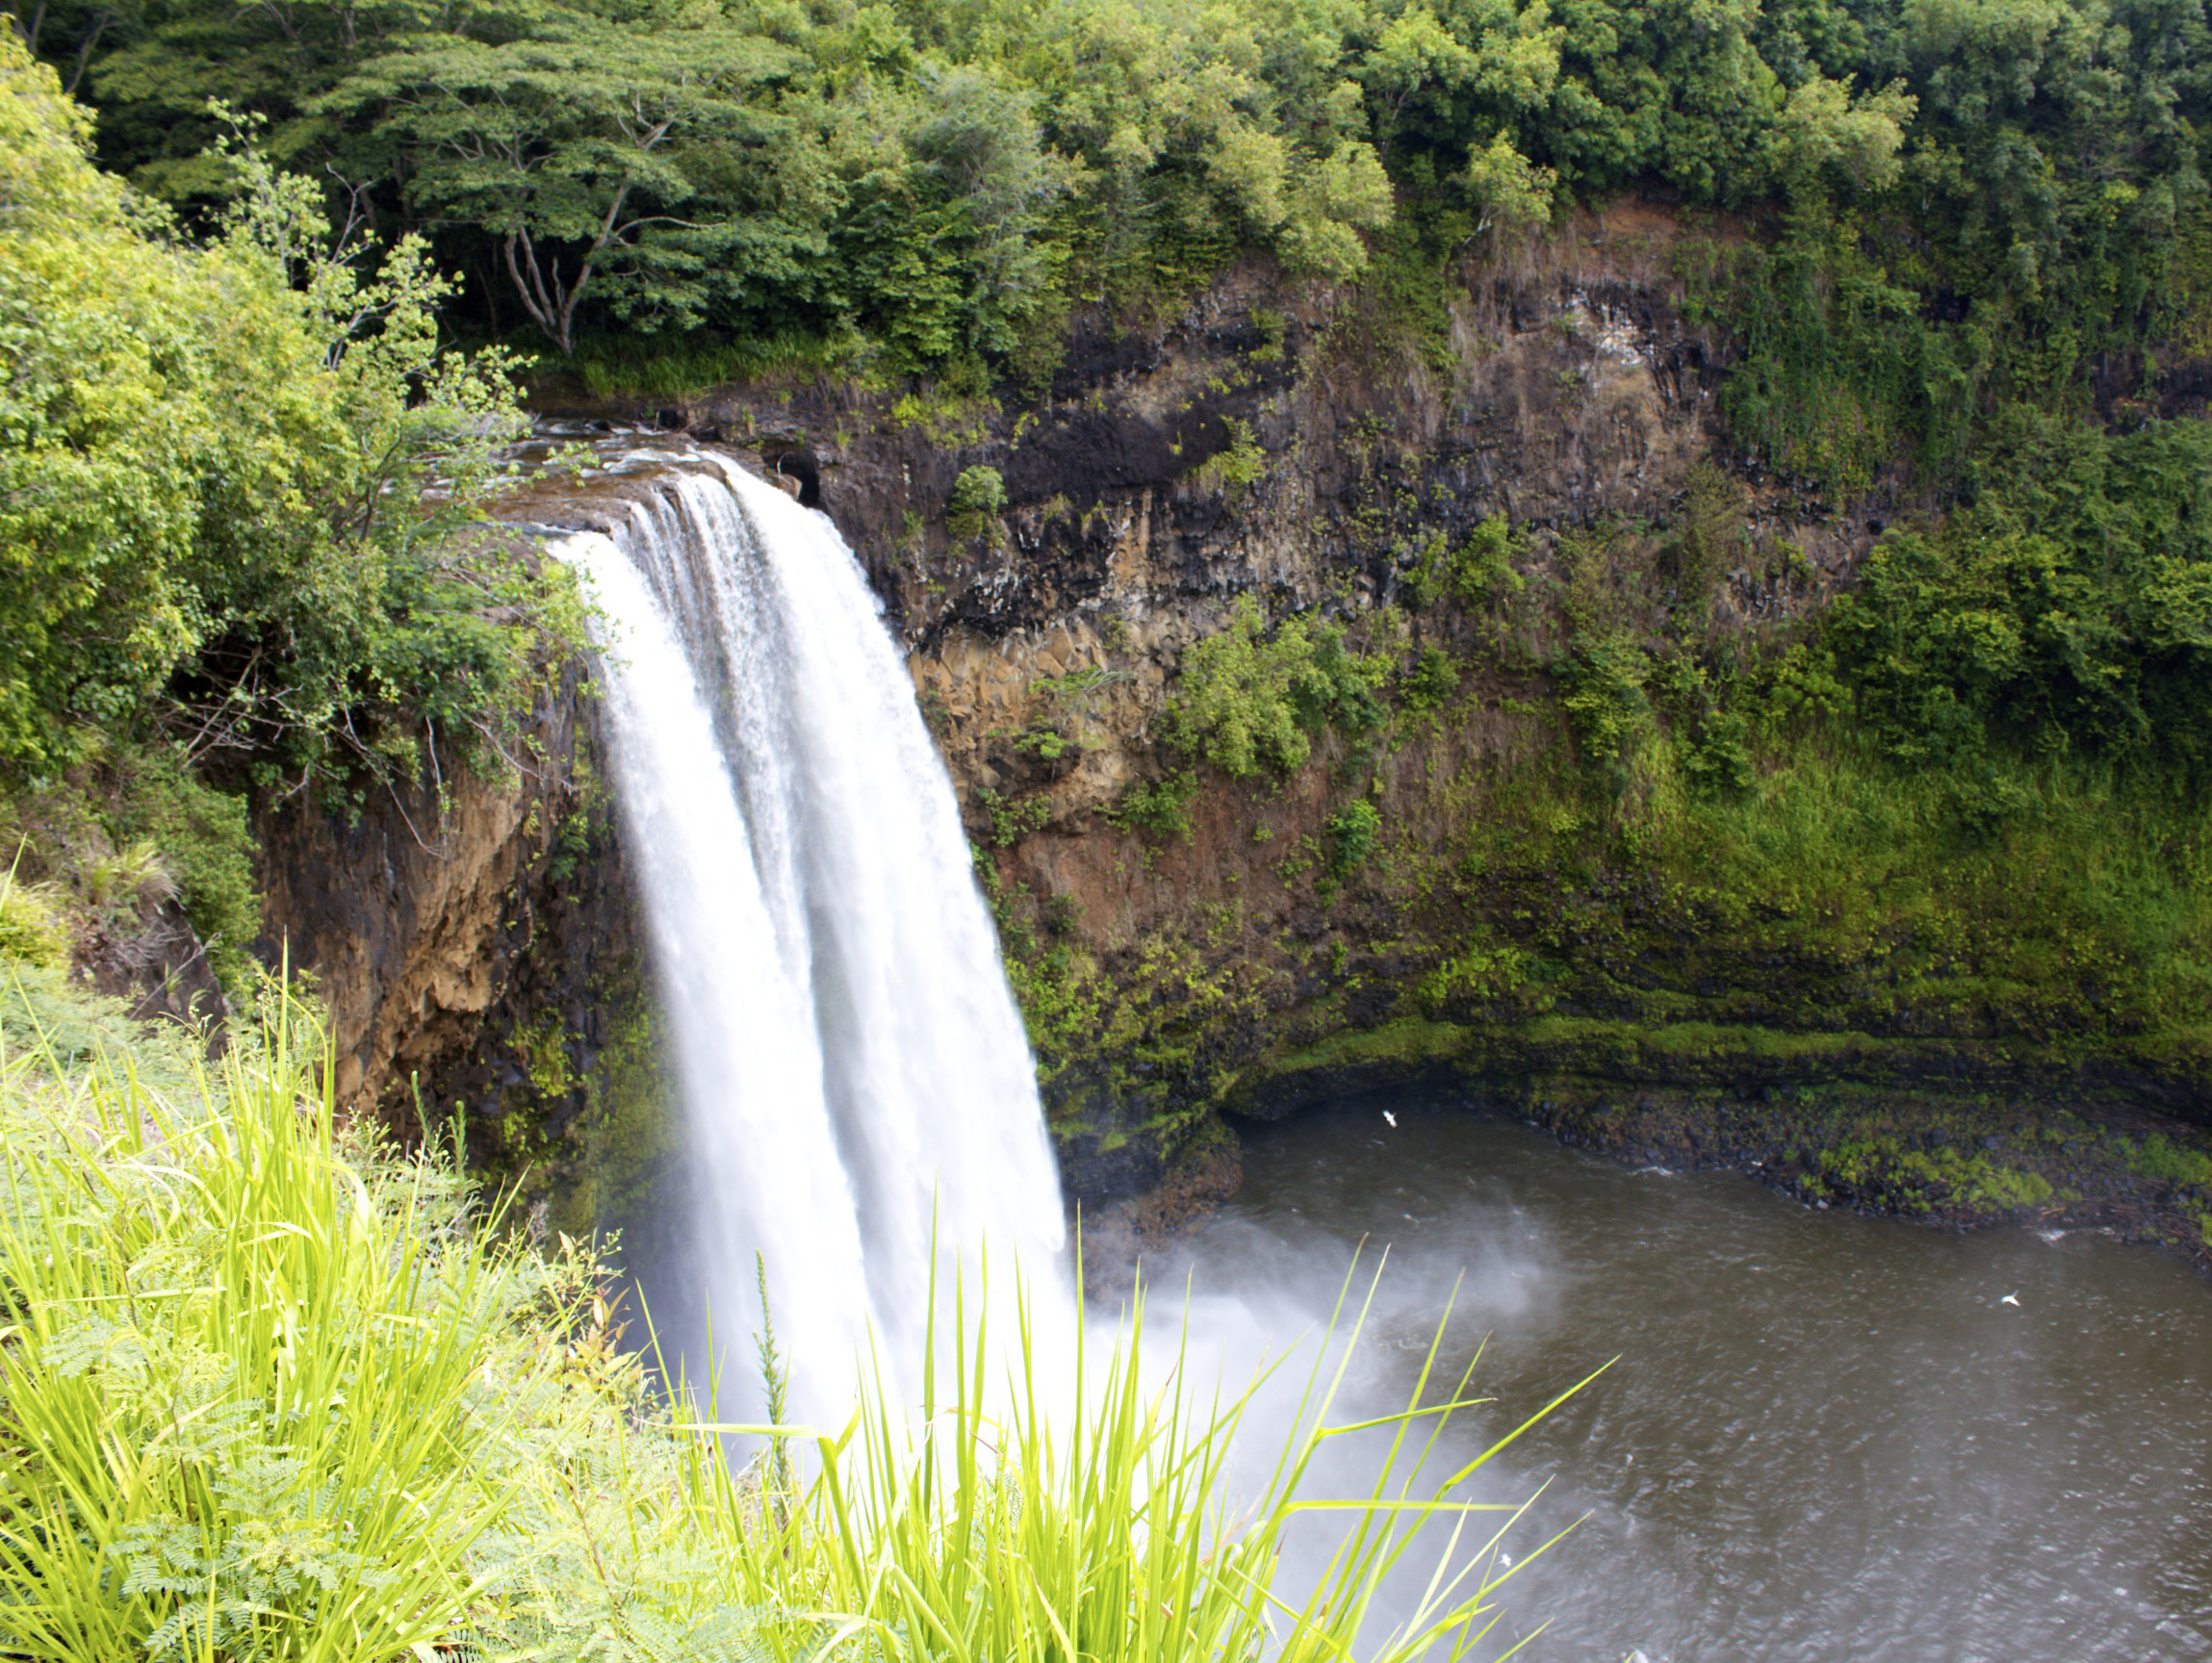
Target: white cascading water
point(855, 1074)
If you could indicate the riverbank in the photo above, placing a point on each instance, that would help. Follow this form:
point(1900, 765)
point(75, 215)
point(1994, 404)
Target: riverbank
point(1961, 1161)
point(1961, 1164)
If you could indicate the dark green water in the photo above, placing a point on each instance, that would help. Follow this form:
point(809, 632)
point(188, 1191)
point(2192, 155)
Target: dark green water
point(1826, 1438)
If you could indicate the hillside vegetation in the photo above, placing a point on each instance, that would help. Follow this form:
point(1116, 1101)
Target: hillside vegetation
point(238, 481)
point(1973, 199)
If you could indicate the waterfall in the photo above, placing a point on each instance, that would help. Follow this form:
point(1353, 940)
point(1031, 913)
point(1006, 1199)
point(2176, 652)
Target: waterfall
point(856, 1080)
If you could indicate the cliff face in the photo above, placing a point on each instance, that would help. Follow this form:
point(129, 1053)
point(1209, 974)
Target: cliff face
point(1571, 394)
point(477, 952)
point(1433, 896)
point(1300, 448)
point(1190, 944)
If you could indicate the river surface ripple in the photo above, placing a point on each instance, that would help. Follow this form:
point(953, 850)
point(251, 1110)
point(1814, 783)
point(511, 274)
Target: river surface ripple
point(1827, 1437)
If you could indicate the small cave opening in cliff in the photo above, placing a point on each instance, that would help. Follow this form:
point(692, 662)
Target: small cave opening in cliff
point(800, 469)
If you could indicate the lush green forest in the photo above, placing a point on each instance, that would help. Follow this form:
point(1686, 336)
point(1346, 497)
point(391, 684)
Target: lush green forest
point(237, 480)
point(1986, 198)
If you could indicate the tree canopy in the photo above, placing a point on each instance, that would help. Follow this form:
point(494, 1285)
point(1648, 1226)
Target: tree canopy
point(217, 518)
point(944, 176)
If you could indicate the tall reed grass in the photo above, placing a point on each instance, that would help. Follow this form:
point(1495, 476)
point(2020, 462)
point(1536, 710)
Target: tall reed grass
point(271, 1388)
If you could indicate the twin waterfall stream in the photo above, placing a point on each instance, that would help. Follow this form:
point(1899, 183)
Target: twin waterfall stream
point(862, 1107)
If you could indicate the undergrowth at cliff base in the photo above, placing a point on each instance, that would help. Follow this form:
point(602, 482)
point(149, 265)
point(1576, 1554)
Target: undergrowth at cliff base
point(1923, 1154)
point(279, 1388)
point(1947, 835)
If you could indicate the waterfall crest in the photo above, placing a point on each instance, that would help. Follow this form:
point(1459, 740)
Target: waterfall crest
point(855, 1079)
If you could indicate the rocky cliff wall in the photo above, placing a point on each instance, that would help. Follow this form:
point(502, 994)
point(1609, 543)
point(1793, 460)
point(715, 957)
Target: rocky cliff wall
point(477, 950)
point(1295, 445)
point(1308, 451)
point(1191, 945)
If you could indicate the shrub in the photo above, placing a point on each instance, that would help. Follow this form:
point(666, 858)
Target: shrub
point(1429, 681)
point(1708, 539)
point(1482, 568)
point(978, 499)
point(1251, 699)
point(33, 930)
point(1718, 762)
point(1354, 832)
point(1472, 573)
point(1061, 913)
point(1045, 742)
point(1604, 697)
point(1473, 976)
point(1014, 818)
point(203, 839)
point(1158, 808)
point(1236, 466)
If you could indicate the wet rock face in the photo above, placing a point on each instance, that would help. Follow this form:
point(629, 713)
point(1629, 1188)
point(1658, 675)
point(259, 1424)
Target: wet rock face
point(1276, 438)
point(481, 959)
point(423, 918)
point(1270, 444)
point(394, 913)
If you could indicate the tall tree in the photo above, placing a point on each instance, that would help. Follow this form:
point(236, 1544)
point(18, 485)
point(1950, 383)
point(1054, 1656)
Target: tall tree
point(601, 161)
point(68, 34)
point(215, 461)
